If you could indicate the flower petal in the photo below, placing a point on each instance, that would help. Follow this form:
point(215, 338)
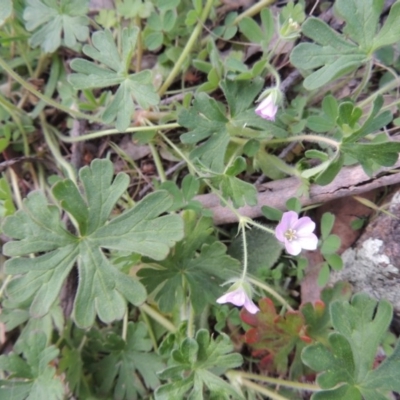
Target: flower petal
point(308, 242)
point(293, 247)
point(236, 297)
point(250, 306)
point(289, 219)
point(304, 226)
point(267, 108)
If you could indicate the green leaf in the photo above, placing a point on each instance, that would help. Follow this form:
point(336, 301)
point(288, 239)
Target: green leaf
point(389, 34)
point(133, 88)
point(363, 323)
point(262, 247)
point(236, 190)
point(293, 204)
point(206, 119)
point(240, 95)
point(328, 174)
point(327, 221)
point(195, 368)
point(195, 265)
point(251, 30)
point(39, 377)
point(273, 214)
point(334, 261)
point(346, 366)
point(121, 361)
point(63, 21)
point(330, 245)
point(102, 288)
point(5, 10)
point(362, 17)
point(385, 154)
point(333, 56)
point(71, 364)
point(385, 376)
point(348, 114)
point(338, 363)
point(373, 123)
point(190, 187)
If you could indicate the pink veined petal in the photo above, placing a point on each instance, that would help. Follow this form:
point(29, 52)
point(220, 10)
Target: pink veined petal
point(223, 299)
point(309, 242)
point(293, 247)
point(288, 220)
point(238, 297)
point(304, 226)
point(267, 109)
point(250, 306)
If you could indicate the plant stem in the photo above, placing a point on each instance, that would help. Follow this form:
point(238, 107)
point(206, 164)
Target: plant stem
point(157, 162)
point(185, 53)
point(253, 10)
point(309, 138)
point(262, 227)
point(150, 331)
point(190, 322)
point(168, 325)
point(15, 188)
point(4, 285)
point(245, 254)
point(275, 381)
point(271, 291)
point(55, 151)
point(364, 81)
point(262, 389)
point(107, 132)
point(125, 325)
point(386, 88)
point(47, 100)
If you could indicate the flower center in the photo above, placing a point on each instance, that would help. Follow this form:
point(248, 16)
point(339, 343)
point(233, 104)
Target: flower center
point(290, 235)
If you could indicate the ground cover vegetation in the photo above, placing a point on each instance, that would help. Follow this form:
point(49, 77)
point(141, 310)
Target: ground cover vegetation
point(144, 252)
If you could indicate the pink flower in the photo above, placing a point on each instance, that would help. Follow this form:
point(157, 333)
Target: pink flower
point(267, 108)
point(296, 233)
point(239, 296)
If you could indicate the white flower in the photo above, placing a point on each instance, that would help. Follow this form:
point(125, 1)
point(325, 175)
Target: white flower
point(239, 294)
point(296, 233)
point(268, 108)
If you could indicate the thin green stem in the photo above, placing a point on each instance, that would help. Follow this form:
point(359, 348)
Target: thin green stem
point(308, 138)
point(150, 331)
point(262, 390)
point(15, 188)
point(262, 227)
point(253, 10)
point(82, 343)
point(364, 81)
point(245, 254)
point(4, 285)
point(271, 291)
point(109, 132)
point(47, 100)
point(55, 151)
point(386, 88)
point(273, 381)
point(271, 53)
point(168, 325)
point(157, 162)
point(188, 48)
point(125, 325)
point(190, 322)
